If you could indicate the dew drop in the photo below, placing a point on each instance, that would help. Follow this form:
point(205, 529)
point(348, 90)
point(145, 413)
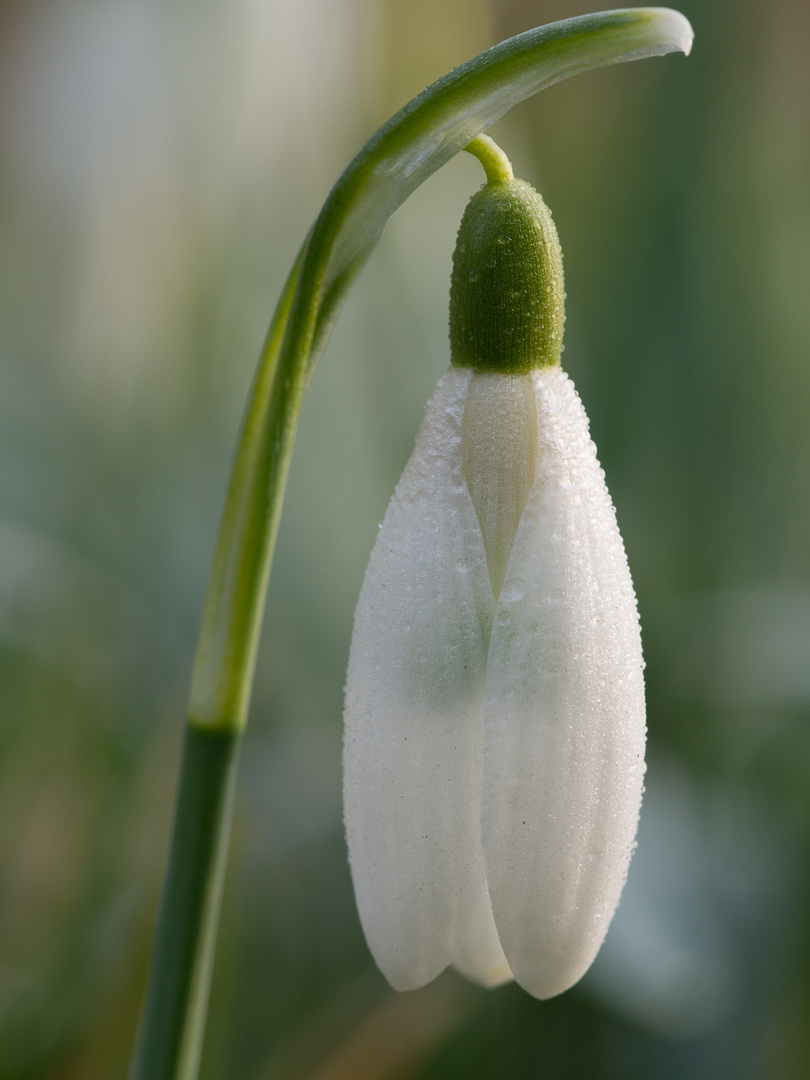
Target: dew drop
point(513, 590)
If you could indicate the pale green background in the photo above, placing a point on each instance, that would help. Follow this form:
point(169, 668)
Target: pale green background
point(159, 165)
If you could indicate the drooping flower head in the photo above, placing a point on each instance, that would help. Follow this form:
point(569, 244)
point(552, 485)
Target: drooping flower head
point(494, 705)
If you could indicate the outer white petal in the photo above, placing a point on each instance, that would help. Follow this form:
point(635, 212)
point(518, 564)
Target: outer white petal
point(414, 711)
point(482, 959)
point(565, 732)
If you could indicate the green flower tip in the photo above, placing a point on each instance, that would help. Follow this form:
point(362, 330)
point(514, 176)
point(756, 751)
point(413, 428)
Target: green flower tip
point(507, 296)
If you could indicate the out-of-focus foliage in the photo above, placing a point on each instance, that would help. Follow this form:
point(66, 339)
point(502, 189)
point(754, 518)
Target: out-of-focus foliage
point(159, 165)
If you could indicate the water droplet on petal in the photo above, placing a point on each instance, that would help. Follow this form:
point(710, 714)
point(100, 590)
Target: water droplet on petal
point(513, 590)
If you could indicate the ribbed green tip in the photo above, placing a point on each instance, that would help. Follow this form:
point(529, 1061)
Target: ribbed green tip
point(507, 296)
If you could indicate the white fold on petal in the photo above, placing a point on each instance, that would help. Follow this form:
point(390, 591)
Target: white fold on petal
point(499, 459)
point(565, 731)
point(481, 958)
point(414, 710)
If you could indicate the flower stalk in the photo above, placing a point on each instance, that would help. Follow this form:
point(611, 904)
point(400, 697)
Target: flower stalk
point(416, 142)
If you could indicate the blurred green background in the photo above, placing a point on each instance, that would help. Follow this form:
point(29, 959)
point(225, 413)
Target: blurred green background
point(159, 165)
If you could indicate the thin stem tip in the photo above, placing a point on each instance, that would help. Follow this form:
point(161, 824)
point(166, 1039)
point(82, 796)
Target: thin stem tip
point(496, 164)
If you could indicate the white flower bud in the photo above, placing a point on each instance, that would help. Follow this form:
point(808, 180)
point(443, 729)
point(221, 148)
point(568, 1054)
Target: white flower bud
point(494, 743)
point(494, 752)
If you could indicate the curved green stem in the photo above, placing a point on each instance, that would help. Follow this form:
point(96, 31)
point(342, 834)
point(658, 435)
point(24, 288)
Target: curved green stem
point(497, 166)
point(422, 137)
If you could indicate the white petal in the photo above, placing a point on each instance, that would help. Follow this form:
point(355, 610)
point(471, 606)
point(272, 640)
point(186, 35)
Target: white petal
point(499, 459)
point(564, 742)
point(414, 710)
point(482, 959)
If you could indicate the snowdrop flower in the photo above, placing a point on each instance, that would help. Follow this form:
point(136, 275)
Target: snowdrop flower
point(495, 705)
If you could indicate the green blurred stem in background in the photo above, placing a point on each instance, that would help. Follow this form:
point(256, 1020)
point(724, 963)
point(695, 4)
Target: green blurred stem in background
point(422, 137)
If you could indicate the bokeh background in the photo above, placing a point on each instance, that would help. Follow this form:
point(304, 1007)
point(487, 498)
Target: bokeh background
point(159, 165)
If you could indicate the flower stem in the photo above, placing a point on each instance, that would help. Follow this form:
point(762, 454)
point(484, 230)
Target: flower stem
point(496, 164)
point(172, 1028)
point(423, 136)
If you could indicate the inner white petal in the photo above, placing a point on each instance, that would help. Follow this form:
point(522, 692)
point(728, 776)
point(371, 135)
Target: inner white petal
point(499, 452)
point(481, 959)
